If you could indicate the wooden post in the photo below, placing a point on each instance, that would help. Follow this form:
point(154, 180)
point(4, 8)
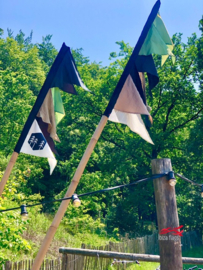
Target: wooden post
point(8, 171)
point(167, 216)
point(73, 185)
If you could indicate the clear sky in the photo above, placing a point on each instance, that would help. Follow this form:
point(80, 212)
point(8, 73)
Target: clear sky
point(96, 25)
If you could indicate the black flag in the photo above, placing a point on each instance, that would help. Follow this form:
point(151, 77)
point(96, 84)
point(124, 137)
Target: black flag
point(128, 101)
point(64, 75)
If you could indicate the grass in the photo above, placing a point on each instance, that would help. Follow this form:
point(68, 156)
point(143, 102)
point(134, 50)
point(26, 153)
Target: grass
point(195, 253)
point(144, 266)
point(37, 229)
point(39, 224)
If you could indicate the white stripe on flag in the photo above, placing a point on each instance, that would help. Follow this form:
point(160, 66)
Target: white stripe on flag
point(35, 144)
point(81, 82)
point(133, 121)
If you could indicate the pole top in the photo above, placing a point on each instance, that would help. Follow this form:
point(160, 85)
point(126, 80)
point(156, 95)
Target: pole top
point(162, 165)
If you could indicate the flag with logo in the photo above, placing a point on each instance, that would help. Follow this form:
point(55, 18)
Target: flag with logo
point(35, 144)
point(39, 132)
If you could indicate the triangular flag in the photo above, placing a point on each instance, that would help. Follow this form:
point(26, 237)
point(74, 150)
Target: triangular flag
point(58, 105)
point(145, 63)
point(68, 75)
point(35, 144)
point(128, 101)
point(158, 41)
point(133, 121)
point(49, 115)
point(48, 109)
point(129, 106)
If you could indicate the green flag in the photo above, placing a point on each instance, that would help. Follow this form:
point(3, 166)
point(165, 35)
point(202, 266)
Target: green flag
point(158, 41)
point(58, 105)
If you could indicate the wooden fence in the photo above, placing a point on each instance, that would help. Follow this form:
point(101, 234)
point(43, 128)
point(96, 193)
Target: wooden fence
point(27, 264)
point(148, 244)
point(142, 245)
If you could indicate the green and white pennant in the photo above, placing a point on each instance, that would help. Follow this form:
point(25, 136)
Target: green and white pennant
point(158, 41)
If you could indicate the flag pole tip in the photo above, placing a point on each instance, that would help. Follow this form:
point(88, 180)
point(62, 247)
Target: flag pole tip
point(158, 3)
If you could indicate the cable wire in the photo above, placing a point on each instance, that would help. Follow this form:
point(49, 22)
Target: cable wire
point(92, 192)
point(188, 180)
point(108, 189)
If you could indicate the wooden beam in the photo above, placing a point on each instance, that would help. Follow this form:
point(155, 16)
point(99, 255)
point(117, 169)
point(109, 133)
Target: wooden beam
point(122, 256)
point(167, 216)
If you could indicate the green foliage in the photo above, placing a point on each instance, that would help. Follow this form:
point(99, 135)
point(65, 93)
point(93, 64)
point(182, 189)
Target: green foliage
point(134, 266)
point(47, 52)
point(120, 156)
point(70, 232)
point(11, 226)
point(200, 52)
point(21, 76)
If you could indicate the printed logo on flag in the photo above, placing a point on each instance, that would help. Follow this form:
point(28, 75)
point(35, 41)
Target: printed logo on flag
point(37, 141)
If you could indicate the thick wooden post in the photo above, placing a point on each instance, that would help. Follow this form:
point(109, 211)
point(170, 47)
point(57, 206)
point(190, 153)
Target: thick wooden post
point(167, 216)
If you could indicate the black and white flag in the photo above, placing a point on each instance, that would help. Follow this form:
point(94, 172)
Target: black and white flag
point(39, 132)
point(35, 144)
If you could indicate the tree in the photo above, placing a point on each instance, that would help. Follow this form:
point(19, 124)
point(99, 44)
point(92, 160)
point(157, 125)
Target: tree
point(47, 52)
point(120, 156)
point(11, 224)
point(21, 76)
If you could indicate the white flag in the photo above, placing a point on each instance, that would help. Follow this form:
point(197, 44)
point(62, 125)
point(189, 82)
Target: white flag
point(35, 144)
point(133, 121)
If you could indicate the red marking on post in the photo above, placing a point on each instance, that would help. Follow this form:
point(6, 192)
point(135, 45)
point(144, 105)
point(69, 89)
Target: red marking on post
point(174, 231)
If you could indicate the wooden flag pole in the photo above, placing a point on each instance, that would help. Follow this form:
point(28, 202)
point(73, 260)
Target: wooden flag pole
point(38, 103)
point(8, 170)
point(48, 83)
point(71, 189)
point(59, 215)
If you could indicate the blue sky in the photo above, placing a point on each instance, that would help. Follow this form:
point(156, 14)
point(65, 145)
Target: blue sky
point(95, 25)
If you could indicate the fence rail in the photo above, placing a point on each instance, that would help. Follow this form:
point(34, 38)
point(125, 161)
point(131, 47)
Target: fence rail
point(142, 245)
point(126, 256)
